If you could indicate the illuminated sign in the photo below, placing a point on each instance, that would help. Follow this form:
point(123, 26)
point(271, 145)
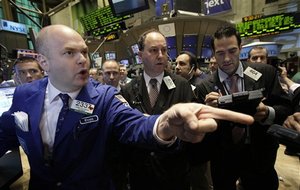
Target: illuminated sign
point(13, 27)
point(108, 29)
point(100, 18)
point(112, 36)
point(272, 24)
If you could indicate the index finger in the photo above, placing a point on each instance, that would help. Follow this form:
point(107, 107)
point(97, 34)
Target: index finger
point(217, 113)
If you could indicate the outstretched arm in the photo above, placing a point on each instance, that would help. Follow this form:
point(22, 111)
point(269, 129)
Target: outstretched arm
point(190, 121)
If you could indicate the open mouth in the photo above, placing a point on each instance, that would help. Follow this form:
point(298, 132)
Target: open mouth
point(83, 72)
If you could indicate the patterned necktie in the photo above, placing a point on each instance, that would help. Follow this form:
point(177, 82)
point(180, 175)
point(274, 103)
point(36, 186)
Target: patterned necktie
point(237, 132)
point(63, 111)
point(153, 92)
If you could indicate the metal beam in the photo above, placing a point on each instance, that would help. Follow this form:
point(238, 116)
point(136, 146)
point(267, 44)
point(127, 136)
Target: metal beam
point(28, 16)
point(58, 7)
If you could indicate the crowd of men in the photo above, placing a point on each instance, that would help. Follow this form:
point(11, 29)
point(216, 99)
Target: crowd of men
point(116, 132)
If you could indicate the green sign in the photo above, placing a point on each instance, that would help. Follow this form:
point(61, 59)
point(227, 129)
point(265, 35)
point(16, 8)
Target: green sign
point(272, 24)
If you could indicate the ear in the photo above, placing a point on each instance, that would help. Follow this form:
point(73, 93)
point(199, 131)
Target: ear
point(43, 61)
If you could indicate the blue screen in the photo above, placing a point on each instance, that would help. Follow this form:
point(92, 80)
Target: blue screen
point(171, 41)
point(6, 96)
point(206, 53)
point(172, 53)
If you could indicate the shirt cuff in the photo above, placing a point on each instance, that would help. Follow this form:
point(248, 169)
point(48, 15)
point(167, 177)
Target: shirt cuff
point(293, 87)
point(270, 118)
point(159, 140)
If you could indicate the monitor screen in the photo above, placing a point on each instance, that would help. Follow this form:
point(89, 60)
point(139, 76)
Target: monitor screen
point(172, 53)
point(206, 53)
point(190, 49)
point(138, 59)
point(6, 96)
point(102, 18)
point(110, 55)
point(207, 41)
point(126, 7)
point(171, 41)
point(135, 49)
point(125, 62)
point(190, 43)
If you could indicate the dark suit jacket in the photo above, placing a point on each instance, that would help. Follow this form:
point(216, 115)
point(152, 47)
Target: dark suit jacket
point(80, 147)
point(154, 169)
point(260, 154)
point(137, 95)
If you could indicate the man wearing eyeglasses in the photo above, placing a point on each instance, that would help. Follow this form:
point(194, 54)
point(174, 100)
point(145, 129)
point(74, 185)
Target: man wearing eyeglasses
point(27, 70)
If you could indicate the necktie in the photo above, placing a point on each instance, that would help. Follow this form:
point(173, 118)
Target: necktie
point(63, 111)
point(153, 92)
point(237, 132)
point(61, 117)
point(233, 83)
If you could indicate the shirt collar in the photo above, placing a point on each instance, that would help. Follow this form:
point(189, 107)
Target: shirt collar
point(54, 92)
point(159, 78)
point(223, 76)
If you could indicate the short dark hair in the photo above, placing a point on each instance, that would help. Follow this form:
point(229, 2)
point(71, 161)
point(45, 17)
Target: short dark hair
point(257, 48)
point(141, 40)
point(26, 59)
point(193, 59)
point(226, 31)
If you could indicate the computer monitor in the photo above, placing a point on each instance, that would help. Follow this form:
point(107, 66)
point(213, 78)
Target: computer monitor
point(110, 55)
point(125, 62)
point(138, 59)
point(135, 49)
point(127, 7)
point(6, 96)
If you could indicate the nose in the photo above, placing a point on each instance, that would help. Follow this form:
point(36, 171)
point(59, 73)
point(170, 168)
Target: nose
point(28, 75)
point(111, 76)
point(82, 58)
point(258, 60)
point(227, 56)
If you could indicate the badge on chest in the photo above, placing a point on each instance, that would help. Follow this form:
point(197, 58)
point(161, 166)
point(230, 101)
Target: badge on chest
point(82, 107)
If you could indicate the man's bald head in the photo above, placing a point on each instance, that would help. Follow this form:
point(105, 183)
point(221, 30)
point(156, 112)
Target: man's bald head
point(48, 33)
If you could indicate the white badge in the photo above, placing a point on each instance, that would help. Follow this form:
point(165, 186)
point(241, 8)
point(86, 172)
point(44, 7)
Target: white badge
point(82, 107)
point(252, 73)
point(169, 82)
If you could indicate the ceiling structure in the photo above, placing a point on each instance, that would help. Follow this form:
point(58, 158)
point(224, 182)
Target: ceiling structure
point(49, 3)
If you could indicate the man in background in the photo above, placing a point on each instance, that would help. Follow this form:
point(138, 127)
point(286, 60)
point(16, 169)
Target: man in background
point(124, 79)
point(212, 65)
point(186, 66)
point(111, 73)
point(96, 74)
point(152, 93)
point(26, 69)
point(258, 54)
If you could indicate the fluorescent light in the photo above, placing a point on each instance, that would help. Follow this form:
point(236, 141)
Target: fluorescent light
point(188, 13)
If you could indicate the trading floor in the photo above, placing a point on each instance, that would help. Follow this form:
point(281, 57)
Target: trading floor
point(285, 166)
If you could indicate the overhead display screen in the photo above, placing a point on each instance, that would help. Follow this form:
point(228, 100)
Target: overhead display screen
point(100, 18)
point(273, 24)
